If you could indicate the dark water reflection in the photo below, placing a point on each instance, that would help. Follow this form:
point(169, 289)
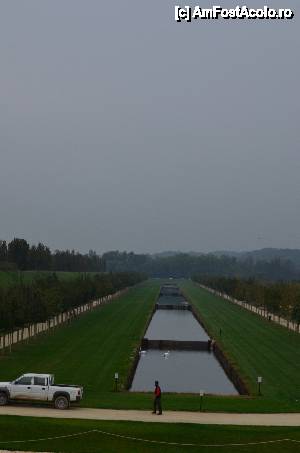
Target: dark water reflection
point(174, 300)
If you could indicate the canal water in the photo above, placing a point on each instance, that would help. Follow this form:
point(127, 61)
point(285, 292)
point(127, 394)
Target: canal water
point(182, 371)
point(174, 300)
point(175, 325)
point(178, 370)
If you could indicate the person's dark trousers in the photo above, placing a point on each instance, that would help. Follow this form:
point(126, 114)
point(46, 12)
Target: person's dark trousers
point(157, 404)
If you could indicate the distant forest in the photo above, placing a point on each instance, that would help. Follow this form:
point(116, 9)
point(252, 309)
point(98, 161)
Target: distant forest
point(184, 265)
point(19, 255)
point(267, 264)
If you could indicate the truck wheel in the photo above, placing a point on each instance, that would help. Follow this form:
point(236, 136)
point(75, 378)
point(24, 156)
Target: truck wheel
point(61, 402)
point(3, 399)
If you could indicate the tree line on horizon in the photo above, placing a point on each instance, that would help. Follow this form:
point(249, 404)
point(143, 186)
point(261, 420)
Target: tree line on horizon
point(24, 304)
point(280, 298)
point(19, 255)
point(184, 265)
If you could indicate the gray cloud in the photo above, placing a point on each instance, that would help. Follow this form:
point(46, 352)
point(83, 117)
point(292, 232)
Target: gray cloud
point(123, 129)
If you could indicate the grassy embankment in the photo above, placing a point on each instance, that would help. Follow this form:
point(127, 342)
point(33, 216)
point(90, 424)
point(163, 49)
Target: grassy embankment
point(22, 428)
point(256, 347)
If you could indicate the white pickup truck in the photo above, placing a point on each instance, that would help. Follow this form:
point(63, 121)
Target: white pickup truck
point(39, 387)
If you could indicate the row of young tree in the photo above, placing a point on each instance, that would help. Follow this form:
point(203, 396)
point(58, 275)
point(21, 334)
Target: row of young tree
point(280, 298)
point(24, 304)
point(18, 254)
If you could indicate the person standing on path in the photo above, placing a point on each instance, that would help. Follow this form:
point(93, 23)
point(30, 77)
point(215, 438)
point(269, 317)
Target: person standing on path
point(157, 399)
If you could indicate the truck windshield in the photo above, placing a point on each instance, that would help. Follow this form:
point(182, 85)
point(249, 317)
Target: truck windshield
point(25, 380)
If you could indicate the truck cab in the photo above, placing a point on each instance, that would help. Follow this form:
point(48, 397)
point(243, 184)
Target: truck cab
point(33, 387)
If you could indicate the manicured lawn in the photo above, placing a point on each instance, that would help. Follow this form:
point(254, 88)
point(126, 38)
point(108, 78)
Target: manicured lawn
point(22, 428)
point(256, 347)
point(91, 349)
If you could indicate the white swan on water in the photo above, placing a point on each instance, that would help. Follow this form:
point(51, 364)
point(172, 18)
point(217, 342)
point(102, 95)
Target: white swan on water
point(166, 354)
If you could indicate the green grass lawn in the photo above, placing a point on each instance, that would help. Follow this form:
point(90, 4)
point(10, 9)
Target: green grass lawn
point(23, 428)
point(12, 277)
point(95, 346)
point(91, 349)
point(256, 347)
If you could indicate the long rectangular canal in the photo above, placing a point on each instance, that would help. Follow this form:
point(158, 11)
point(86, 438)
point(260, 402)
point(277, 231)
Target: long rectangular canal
point(179, 370)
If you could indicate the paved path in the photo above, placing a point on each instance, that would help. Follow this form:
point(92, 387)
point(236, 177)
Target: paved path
point(167, 417)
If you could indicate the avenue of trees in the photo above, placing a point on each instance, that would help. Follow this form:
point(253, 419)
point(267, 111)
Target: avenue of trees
point(280, 298)
point(25, 304)
point(19, 255)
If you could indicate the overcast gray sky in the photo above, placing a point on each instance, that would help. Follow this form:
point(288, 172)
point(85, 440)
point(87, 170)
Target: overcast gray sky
point(121, 129)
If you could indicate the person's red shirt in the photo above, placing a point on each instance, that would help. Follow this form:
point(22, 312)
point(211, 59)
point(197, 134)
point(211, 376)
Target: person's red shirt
point(157, 391)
